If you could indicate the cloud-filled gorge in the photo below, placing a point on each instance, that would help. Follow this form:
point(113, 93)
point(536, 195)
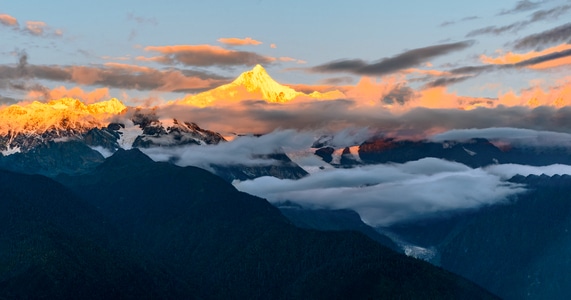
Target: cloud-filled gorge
point(386, 194)
point(382, 194)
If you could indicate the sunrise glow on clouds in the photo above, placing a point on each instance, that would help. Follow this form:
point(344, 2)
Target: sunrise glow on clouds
point(479, 57)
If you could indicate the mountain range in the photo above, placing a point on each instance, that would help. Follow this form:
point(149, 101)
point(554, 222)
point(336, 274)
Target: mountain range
point(135, 228)
point(100, 201)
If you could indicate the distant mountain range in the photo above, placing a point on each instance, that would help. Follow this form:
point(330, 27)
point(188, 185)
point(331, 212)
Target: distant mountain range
point(133, 228)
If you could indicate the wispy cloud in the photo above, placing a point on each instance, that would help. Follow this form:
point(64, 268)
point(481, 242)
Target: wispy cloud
point(142, 20)
point(540, 15)
point(139, 20)
point(549, 58)
point(496, 29)
point(291, 59)
point(465, 19)
point(521, 6)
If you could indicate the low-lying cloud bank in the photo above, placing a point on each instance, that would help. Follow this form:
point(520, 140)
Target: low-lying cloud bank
point(516, 136)
point(263, 117)
point(244, 150)
point(507, 171)
point(390, 193)
point(382, 194)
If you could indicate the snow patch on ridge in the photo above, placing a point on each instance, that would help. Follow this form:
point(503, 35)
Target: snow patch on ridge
point(128, 135)
point(307, 160)
point(10, 151)
point(336, 160)
point(105, 152)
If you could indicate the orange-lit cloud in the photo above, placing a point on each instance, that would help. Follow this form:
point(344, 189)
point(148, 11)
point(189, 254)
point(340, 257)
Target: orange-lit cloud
point(39, 28)
point(435, 73)
point(129, 67)
point(8, 20)
point(35, 28)
point(76, 93)
point(511, 58)
point(394, 94)
point(437, 97)
point(556, 96)
point(239, 41)
point(159, 59)
point(386, 90)
point(205, 55)
point(273, 46)
point(291, 59)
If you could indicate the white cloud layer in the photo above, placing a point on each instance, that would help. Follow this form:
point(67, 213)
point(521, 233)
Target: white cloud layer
point(381, 194)
point(243, 150)
point(507, 171)
point(516, 136)
point(390, 193)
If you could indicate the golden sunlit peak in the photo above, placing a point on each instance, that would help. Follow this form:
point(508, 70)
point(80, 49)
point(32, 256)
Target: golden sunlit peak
point(258, 80)
point(258, 69)
point(255, 84)
point(59, 114)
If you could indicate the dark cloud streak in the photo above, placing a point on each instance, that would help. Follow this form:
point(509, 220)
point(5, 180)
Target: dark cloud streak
point(151, 79)
point(206, 55)
point(540, 15)
point(445, 81)
point(464, 73)
point(521, 6)
point(543, 58)
point(496, 30)
point(393, 64)
point(448, 23)
point(543, 39)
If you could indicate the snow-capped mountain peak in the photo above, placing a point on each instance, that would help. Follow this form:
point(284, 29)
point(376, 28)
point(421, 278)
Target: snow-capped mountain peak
point(24, 126)
point(258, 80)
point(255, 84)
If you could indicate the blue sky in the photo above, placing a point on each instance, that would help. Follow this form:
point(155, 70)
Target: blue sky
point(306, 34)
